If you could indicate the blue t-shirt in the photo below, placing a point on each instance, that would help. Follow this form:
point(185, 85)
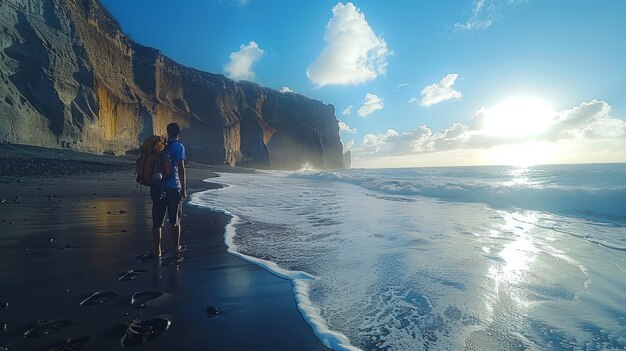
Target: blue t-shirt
point(177, 153)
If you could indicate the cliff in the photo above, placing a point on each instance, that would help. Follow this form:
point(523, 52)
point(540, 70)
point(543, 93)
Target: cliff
point(69, 78)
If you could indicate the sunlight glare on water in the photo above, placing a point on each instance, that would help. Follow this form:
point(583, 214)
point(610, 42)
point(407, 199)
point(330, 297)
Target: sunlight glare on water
point(440, 259)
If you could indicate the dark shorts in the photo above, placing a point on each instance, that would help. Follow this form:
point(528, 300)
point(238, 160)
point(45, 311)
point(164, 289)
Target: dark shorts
point(171, 203)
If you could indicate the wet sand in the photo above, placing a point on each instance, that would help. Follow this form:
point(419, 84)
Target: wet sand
point(65, 238)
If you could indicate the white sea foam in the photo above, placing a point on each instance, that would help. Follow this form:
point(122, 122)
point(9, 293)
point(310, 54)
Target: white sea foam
point(301, 286)
point(378, 264)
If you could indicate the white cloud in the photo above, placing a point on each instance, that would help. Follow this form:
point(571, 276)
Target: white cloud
point(345, 128)
point(372, 103)
point(285, 90)
point(353, 54)
point(374, 142)
point(241, 62)
point(482, 17)
point(402, 85)
point(347, 110)
point(485, 13)
point(439, 92)
point(590, 120)
point(587, 130)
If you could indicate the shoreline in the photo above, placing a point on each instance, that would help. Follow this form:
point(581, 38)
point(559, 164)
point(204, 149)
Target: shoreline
point(67, 237)
point(300, 281)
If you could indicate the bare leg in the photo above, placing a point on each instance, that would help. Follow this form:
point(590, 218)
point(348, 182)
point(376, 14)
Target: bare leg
point(156, 237)
point(176, 236)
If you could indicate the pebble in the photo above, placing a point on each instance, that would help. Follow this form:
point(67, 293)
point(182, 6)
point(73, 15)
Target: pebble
point(211, 311)
point(122, 211)
point(124, 230)
point(68, 247)
point(6, 305)
point(4, 327)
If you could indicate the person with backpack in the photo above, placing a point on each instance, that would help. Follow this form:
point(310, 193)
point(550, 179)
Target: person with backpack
point(169, 190)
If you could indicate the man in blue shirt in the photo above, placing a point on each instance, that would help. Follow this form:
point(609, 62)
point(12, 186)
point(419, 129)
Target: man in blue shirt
point(171, 197)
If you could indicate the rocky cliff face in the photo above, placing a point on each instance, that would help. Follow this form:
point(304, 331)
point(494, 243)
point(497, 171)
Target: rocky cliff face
point(69, 78)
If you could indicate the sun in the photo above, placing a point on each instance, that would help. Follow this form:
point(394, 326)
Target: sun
point(519, 117)
point(519, 122)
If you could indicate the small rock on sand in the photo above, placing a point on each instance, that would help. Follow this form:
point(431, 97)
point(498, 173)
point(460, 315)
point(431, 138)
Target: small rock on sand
point(211, 311)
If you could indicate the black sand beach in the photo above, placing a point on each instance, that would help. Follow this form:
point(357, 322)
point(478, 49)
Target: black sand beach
point(65, 237)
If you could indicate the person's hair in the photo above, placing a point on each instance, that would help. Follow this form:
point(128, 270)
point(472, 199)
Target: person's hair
point(173, 130)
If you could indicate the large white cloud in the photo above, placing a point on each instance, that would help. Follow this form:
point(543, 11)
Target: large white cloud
point(285, 90)
point(439, 92)
point(589, 127)
point(353, 54)
point(241, 62)
point(372, 103)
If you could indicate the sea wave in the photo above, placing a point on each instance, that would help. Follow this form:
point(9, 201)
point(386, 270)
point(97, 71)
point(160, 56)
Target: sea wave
point(414, 259)
point(595, 201)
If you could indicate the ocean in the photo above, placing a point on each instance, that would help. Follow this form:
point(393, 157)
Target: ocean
point(474, 258)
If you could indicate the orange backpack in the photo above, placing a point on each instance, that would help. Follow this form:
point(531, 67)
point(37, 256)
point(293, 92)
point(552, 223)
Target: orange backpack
point(154, 164)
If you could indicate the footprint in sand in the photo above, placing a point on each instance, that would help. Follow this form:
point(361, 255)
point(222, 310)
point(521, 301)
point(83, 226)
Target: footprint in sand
point(69, 344)
point(141, 297)
point(130, 274)
point(44, 327)
point(138, 332)
point(98, 298)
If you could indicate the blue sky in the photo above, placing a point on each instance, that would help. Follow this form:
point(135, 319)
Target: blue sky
point(457, 61)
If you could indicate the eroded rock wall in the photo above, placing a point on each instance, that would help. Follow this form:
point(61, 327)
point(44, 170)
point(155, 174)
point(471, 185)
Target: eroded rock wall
point(70, 78)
